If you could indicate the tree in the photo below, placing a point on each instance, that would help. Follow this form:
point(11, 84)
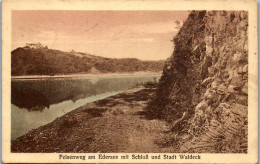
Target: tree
point(178, 24)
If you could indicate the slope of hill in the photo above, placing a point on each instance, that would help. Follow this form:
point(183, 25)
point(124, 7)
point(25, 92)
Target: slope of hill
point(28, 61)
point(203, 91)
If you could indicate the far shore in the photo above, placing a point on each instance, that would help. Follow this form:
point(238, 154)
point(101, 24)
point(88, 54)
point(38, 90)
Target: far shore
point(85, 75)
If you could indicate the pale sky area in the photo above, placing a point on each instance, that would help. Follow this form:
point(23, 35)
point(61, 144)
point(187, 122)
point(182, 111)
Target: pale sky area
point(144, 35)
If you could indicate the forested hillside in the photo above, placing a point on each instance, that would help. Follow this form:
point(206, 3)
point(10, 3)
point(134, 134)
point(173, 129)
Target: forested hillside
point(43, 61)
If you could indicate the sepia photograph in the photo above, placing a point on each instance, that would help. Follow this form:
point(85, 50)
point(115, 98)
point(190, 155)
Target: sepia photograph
point(151, 85)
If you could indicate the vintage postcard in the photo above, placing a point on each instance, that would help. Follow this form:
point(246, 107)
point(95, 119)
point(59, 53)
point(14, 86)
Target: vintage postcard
point(143, 81)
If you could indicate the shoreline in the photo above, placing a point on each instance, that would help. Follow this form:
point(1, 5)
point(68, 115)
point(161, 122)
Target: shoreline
point(84, 75)
point(114, 124)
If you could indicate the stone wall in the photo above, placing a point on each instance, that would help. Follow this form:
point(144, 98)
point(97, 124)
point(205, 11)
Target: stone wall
point(204, 87)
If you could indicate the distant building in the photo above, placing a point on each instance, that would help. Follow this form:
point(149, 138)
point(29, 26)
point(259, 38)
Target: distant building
point(34, 45)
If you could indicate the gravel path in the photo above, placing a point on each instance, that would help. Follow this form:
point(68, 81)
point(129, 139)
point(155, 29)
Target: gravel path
point(114, 124)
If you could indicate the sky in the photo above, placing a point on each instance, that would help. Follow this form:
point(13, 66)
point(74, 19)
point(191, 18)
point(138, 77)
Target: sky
point(144, 35)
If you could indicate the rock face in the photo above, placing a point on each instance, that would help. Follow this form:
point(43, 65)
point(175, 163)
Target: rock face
point(204, 87)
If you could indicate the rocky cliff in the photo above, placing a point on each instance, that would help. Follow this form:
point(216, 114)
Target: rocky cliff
point(204, 87)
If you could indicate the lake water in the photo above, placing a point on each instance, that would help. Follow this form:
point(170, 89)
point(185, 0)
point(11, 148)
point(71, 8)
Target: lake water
point(40, 101)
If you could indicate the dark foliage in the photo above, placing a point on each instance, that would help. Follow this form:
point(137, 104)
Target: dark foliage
point(27, 61)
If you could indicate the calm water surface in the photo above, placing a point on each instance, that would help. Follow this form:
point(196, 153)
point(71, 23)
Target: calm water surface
point(38, 102)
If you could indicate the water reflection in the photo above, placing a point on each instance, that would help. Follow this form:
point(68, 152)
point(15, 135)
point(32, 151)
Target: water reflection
point(37, 95)
point(38, 102)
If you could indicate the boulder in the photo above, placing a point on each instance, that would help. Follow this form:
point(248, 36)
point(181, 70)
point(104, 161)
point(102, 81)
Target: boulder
point(240, 70)
point(237, 57)
point(222, 89)
point(244, 89)
point(236, 81)
point(201, 106)
point(206, 81)
point(242, 99)
point(245, 68)
point(239, 110)
point(233, 89)
point(233, 73)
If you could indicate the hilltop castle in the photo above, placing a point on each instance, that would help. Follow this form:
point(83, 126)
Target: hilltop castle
point(34, 45)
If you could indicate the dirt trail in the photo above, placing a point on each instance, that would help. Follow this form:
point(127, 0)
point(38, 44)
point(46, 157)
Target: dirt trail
point(114, 124)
